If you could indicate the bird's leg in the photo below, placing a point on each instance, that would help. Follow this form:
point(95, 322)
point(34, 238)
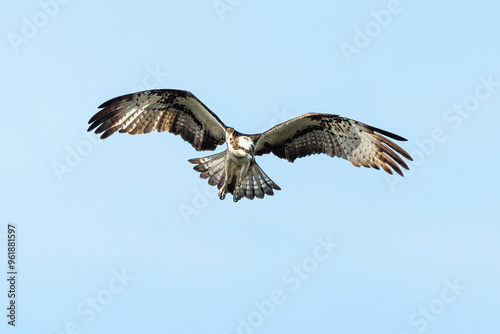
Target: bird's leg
point(223, 190)
point(238, 192)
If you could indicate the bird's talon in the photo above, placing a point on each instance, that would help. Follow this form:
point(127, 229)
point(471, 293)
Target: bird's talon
point(222, 194)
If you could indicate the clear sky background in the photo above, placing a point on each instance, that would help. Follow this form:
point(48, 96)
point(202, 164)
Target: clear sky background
point(122, 236)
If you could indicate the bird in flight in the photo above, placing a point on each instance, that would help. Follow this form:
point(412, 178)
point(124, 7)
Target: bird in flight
point(235, 170)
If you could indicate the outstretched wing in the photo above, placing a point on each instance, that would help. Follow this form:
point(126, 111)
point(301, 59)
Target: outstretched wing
point(314, 133)
point(176, 111)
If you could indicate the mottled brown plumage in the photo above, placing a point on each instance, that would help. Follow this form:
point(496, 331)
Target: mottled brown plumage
point(235, 171)
point(345, 138)
point(176, 111)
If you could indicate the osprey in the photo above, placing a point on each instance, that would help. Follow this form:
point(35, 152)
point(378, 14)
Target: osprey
point(235, 170)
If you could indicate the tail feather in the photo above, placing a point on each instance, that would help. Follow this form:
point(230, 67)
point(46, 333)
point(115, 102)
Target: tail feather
point(210, 167)
point(248, 190)
point(212, 170)
point(216, 175)
point(252, 185)
point(255, 184)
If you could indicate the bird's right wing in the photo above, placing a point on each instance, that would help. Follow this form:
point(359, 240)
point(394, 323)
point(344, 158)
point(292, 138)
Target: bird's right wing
point(176, 111)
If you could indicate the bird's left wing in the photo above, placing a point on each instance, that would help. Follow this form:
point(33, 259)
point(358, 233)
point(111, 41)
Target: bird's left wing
point(315, 133)
point(176, 111)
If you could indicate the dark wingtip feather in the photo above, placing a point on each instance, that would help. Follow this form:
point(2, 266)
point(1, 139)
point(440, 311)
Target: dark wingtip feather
point(386, 133)
point(125, 97)
point(397, 170)
point(92, 126)
point(105, 104)
point(106, 113)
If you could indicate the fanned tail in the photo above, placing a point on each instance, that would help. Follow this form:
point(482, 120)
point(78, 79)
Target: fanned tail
point(255, 184)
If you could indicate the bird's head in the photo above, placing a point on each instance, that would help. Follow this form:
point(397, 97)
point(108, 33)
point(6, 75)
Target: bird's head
point(248, 146)
point(229, 133)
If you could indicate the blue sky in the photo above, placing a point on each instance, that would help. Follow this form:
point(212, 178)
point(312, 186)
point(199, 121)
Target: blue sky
point(121, 235)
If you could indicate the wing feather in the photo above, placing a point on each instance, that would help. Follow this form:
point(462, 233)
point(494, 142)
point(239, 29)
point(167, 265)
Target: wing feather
point(314, 133)
point(176, 111)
